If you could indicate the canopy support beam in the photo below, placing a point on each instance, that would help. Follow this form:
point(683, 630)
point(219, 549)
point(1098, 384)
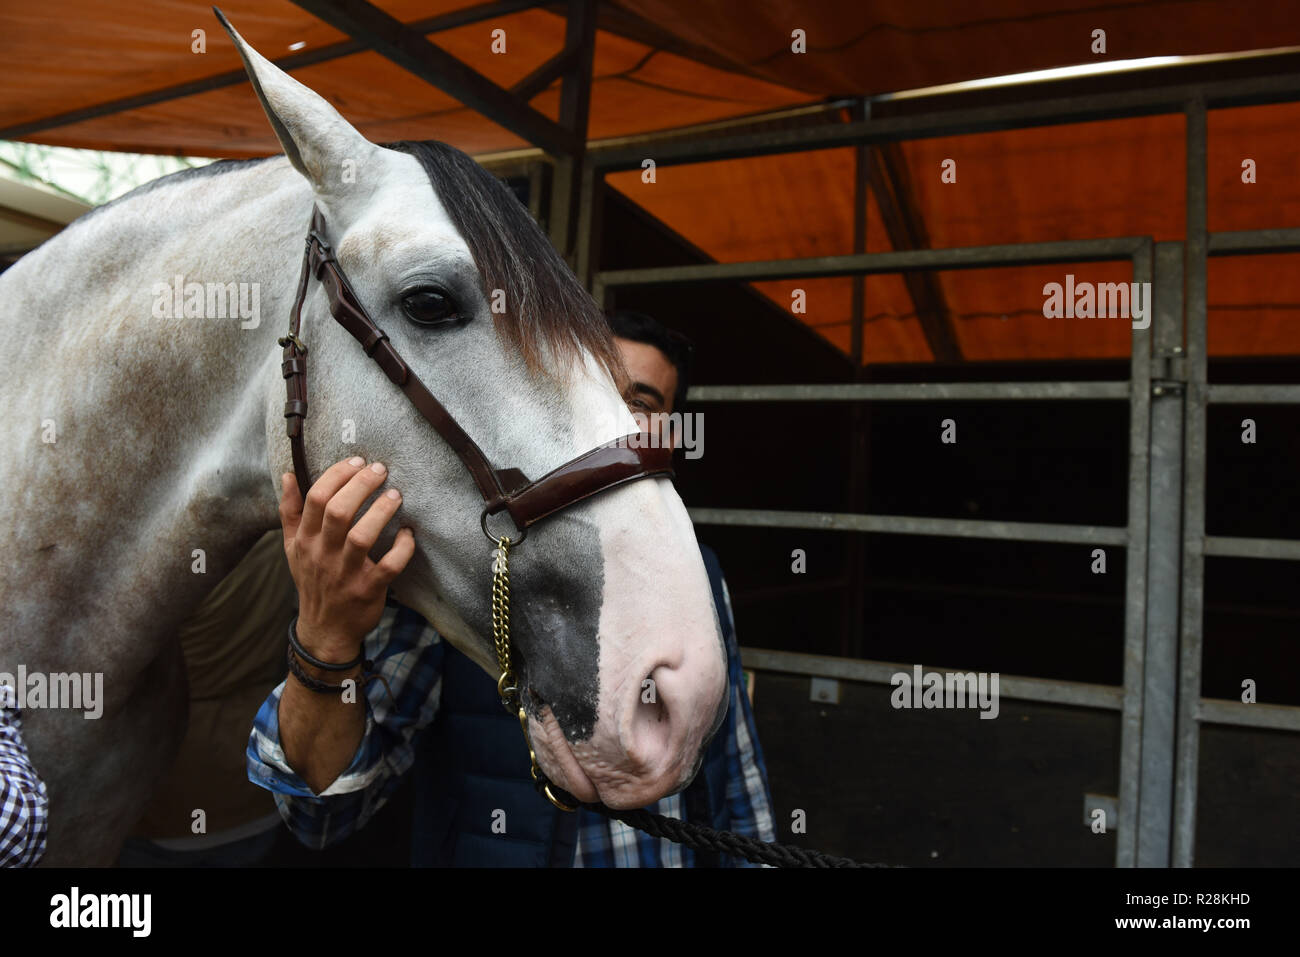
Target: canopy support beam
point(294, 61)
point(406, 47)
point(906, 228)
point(575, 108)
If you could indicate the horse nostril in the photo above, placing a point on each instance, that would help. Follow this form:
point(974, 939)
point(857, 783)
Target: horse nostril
point(650, 693)
point(649, 740)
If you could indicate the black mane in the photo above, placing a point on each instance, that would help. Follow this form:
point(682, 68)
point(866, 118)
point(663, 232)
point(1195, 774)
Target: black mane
point(546, 307)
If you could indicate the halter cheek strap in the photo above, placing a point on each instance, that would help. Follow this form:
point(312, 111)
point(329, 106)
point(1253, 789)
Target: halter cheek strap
point(509, 490)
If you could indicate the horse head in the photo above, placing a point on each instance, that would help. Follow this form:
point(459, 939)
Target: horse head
point(618, 651)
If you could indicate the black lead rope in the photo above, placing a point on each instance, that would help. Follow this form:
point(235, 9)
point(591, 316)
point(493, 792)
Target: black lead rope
point(699, 837)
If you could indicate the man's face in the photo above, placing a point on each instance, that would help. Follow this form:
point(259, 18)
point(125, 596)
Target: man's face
point(652, 378)
point(652, 383)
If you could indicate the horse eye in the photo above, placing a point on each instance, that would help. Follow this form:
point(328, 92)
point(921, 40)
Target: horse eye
point(429, 307)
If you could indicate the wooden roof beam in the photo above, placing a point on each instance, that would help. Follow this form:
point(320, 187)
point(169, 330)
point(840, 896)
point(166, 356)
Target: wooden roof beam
point(906, 229)
point(406, 47)
point(294, 61)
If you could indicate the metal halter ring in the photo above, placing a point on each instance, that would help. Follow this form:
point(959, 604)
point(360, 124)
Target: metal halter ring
point(523, 532)
point(546, 790)
point(540, 780)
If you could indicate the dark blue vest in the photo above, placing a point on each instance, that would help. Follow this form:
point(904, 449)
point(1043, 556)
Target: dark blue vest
point(471, 763)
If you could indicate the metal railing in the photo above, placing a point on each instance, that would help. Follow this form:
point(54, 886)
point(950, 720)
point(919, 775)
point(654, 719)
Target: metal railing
point(1167, 392)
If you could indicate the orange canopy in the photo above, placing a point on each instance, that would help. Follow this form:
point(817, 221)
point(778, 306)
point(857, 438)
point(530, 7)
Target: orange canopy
point(139, 77)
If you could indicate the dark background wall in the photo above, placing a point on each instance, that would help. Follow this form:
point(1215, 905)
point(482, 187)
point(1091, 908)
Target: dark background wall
point(944, 788)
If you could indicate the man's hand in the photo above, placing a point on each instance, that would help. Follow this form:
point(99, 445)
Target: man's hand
point(341, 591)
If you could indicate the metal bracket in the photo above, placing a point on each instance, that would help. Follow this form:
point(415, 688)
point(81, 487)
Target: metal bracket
point(1169, 372)
point(825, 691)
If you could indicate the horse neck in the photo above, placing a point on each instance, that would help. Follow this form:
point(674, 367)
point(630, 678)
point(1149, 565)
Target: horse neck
point(157, 479)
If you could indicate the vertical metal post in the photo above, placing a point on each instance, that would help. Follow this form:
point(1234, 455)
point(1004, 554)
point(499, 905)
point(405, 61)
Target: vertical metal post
point(536, 187)
point(855, 592)
point(591, 221)
point(565, 188)
point(1164, 565)
point(861, 173)
point(575, 102)
point(1189, 678)
point(1135, 593)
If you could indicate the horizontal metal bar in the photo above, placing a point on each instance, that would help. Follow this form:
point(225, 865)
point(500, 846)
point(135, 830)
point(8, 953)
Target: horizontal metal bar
point(884, 392)
point(907, 525)
point(1146, 100)
point(812, 114)
point(506, 167)
point(1073, 693)
point(859, 264)
point(1253, 394)
point(1283, 548)
point(1279, 717)
point(1250, 241)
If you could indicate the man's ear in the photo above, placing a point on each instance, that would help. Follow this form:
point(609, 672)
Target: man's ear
point(320, 144)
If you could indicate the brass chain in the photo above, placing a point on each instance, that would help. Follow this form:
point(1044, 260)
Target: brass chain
point(507, 686)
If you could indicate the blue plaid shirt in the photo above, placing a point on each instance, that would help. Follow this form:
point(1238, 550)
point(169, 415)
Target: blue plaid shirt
point(408, 652)
point(24, 804)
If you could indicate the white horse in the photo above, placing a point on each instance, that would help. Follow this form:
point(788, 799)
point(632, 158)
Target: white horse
point(146, 443)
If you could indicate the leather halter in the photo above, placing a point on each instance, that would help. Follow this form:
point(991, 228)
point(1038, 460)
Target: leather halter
point(604, 467)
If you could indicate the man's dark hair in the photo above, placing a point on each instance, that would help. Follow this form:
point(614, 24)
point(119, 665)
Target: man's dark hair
point(638, 327)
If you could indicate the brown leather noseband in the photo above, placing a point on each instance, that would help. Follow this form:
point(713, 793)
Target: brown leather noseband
point(508, 489)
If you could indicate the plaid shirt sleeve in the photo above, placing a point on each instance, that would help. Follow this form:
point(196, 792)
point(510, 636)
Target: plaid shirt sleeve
point(749, 800)
point(407, 652)
point(24, 805)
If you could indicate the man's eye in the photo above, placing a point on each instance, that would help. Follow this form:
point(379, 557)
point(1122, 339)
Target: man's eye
point(429, 307)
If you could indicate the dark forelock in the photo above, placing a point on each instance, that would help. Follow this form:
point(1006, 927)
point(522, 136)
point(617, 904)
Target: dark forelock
point(548, 313)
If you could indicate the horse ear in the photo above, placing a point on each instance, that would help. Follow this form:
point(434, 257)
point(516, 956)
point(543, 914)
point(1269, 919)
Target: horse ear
point(316, 139)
